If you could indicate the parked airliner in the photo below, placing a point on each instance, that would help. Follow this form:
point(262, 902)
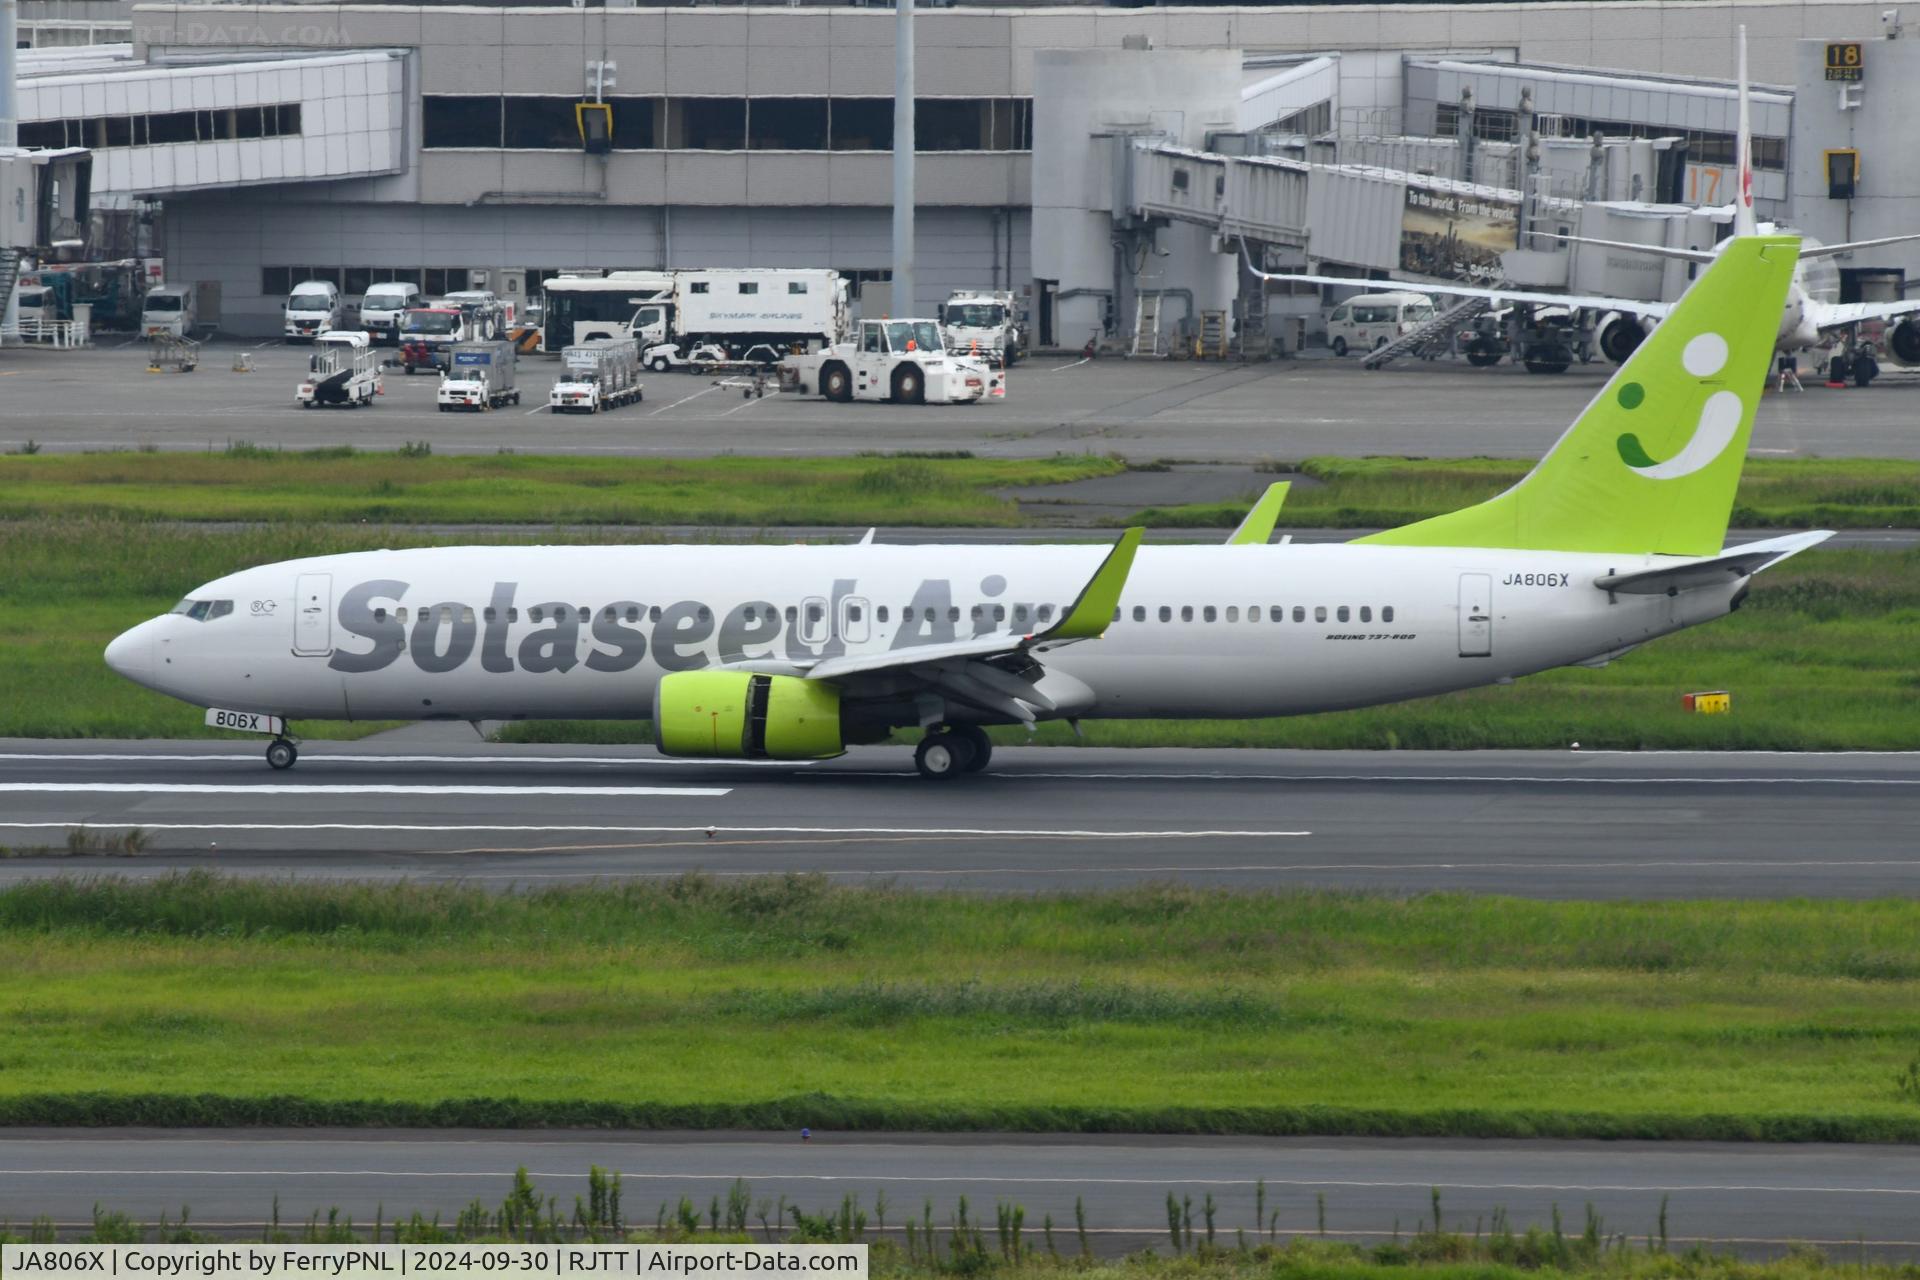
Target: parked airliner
point(793, 652)
point(1810, 316)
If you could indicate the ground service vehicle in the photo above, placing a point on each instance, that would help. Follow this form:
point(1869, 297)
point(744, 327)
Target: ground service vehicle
point(983, 322)
point(898, 360)
point(602, 374)
point(1616, 538)
point(488, 316)
point(313, 307)
point(343, 371)
point(168, 311)
point(1375, 319)
point(384, 308)
point(580, 308)
point(480, 376)
point(672, 313)
point(425, 335)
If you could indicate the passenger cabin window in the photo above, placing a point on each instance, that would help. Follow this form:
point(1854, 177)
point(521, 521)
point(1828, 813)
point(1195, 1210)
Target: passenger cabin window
point(1319, 613)
point(1139, 613)
point(1343, 613)
point(1278, 613)
point(1166, 613)
point(1233, 613)
point(1046, 613)
point(1209, 613)
point(880, 612)
point(1366, 613)
point(1386, 613)
point(1299, 613)
point(1186, 613)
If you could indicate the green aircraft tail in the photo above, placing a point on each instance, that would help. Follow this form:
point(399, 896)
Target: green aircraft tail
point(1651, 465)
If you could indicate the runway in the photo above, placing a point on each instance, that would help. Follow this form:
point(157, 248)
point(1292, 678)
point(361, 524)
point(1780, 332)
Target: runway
point(1755, 1198)
point(1545, 824)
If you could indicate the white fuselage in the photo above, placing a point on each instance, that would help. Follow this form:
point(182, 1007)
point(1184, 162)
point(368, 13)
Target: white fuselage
point(511, 632)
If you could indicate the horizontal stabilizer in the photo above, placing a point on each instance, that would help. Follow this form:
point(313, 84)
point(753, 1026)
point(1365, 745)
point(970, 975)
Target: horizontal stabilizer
point(1730, 566)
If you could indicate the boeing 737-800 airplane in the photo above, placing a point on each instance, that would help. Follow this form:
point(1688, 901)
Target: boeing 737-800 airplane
point(793, 652)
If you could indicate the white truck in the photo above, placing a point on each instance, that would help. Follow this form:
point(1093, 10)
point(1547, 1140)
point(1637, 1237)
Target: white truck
point(983, 322)
point(342, 371)
point(602, 374)
point(903, 361)
point(479, 376)
point(739, 310)
point(168, 311)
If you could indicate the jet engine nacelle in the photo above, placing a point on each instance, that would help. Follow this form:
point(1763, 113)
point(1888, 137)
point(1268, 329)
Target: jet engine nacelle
point(1619, 335)
point(734, 715)
point(1903, 341)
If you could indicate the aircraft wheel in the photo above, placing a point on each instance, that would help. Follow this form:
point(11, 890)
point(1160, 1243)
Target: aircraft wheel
point(1340, 346)
point(979, 742)
point(941, 756)
point(281, 754)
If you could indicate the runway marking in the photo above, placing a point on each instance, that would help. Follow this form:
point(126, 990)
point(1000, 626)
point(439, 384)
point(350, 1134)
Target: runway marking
point(1010, 775)
point(347, 789)
point(1002, 1178)
point(1061, 368)
point(251, 757)
point(676, 404)
point(614, 830)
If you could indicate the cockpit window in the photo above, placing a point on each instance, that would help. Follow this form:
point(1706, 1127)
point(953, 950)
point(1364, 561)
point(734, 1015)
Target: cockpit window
point(204, 610)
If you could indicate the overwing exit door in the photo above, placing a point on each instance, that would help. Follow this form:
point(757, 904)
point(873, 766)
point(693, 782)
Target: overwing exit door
point(313, 614)
point(1476, 615)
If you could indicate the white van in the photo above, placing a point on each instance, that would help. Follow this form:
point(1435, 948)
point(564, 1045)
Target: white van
point(36, 306)
point(314, 307)
point(385, 305)
point(1375, 319)
point(168, 312)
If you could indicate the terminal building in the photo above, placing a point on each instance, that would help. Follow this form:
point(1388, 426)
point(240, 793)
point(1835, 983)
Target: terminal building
point(1119, 166)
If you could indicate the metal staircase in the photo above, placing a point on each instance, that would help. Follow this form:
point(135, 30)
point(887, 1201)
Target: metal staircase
point(10, 260)
point(1146, 325)
point(1435, 335)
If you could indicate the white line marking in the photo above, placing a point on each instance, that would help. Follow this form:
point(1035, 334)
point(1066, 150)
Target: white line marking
point(347, 789)
point(536, 409)
point(682, 400)
point(715, 828)
point(251, 757)
point(1075, 365)
point(751, 401)
point(1571, 779)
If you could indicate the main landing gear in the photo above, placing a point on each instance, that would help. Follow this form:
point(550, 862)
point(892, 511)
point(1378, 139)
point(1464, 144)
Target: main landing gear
point(281, 754)
point(951, 750)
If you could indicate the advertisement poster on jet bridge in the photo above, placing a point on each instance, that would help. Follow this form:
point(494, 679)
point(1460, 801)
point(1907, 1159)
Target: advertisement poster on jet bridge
point(1456, 235)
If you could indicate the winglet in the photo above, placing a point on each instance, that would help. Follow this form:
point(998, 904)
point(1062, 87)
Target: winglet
point(1258, 526)
point(1092, 612)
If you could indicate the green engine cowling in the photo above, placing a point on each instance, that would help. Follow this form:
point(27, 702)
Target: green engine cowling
point(735, 715)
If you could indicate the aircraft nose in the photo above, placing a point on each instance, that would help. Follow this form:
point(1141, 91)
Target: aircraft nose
point(131, 653)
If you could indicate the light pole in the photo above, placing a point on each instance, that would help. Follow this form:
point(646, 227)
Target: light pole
point(903, 149)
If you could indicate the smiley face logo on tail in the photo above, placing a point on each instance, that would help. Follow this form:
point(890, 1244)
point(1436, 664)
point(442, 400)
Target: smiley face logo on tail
point(1720, 417)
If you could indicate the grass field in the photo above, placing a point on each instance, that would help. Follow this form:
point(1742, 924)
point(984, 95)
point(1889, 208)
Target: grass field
point(1821, 656)
point(342, 485)
point(781, 1002)
point(1348, 493)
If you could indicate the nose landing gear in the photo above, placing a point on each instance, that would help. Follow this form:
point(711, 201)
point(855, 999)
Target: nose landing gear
point(281, 754)
point(951, 750)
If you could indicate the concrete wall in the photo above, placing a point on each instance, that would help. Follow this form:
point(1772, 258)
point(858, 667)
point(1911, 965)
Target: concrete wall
point(229, 239)
point(1882, 129)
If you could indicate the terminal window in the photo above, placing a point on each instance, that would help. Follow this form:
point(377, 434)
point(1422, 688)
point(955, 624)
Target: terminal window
point(165, 128)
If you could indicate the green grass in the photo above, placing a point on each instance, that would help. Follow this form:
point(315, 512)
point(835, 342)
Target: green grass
point(781, 1002)
point(1360, 493)
point(1820, 657)
point(343, 485)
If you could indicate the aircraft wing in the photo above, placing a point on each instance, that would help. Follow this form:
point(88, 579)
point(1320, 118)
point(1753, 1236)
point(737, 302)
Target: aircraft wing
point(1630, 306)
point(1835, 315)
point(997, 671)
